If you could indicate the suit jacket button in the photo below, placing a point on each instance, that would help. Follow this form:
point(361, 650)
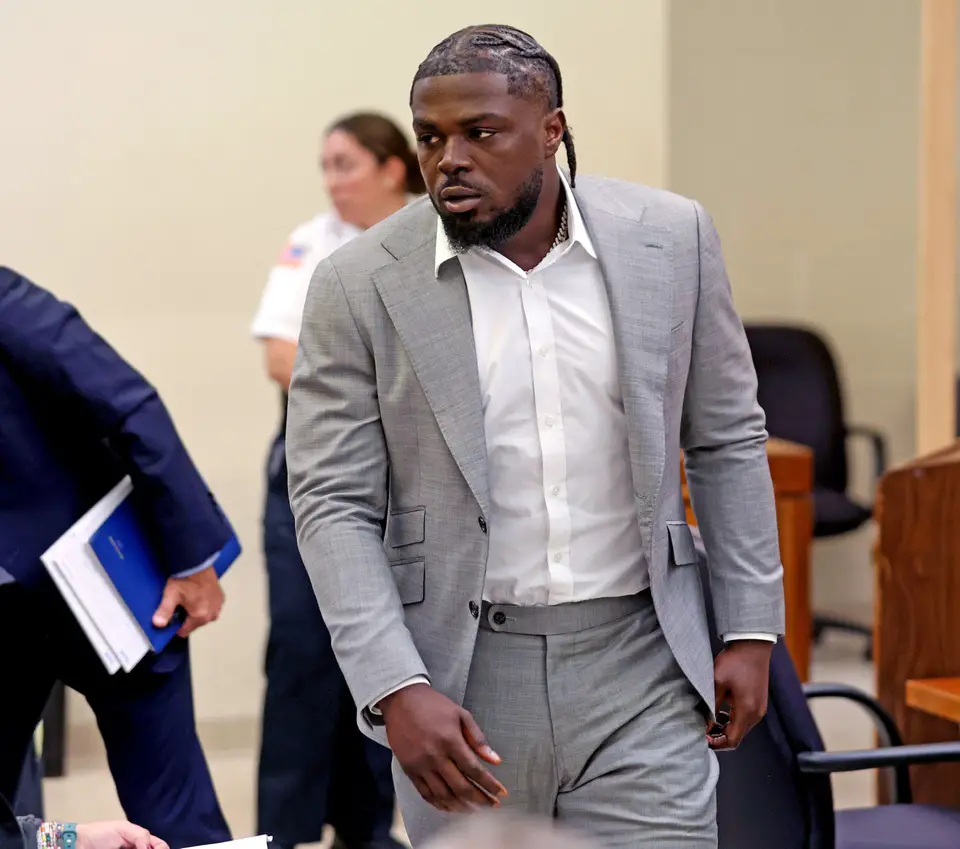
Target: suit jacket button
point(483, 524)
point(499, 618)
point(474, 609)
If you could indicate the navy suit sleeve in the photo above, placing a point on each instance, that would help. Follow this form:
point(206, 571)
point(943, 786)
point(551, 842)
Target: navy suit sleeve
point(49, 344)
point(29, 826)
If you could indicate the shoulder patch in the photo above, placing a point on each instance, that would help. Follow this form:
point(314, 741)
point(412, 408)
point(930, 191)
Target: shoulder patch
point(292, 255)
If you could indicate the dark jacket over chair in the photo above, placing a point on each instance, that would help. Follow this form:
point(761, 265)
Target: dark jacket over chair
point(774, 790)
point(75, 418)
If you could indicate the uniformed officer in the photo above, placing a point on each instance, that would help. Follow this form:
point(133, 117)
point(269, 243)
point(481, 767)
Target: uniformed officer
point(315, 765)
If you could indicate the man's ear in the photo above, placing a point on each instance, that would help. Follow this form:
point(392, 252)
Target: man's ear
point(554, 124)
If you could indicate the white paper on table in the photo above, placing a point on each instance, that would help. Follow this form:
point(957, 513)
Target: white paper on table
point(259, 842)
point(92, 588)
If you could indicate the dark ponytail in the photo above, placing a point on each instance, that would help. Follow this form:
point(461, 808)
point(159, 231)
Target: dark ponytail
point(384, 139)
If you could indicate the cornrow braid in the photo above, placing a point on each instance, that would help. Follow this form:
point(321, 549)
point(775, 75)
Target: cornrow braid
point(531, 71)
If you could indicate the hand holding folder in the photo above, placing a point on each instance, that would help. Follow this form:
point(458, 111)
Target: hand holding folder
point(109, 575)
point(199, 596)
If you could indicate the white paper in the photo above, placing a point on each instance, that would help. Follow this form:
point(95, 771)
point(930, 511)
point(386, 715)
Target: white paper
point(260, 842)
point(97, 640)
point(83, 578)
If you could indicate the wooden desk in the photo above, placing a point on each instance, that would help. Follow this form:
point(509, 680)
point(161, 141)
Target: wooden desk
point(936, 696)
point(791, 467)
point(917, 636)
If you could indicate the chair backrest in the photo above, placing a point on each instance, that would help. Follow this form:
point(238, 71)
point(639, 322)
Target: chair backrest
point(799, 390)
point(762, 800)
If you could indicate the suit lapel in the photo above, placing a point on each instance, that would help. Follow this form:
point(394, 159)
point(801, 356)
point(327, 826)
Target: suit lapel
point(636, 260)
point(432, 318)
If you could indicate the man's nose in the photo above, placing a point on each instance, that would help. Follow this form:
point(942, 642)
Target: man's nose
point(454, 157)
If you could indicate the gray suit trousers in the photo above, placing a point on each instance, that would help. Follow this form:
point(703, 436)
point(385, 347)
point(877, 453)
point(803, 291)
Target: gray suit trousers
point(596, 724)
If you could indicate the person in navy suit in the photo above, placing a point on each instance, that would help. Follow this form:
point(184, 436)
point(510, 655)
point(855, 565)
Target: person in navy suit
point(74, 419)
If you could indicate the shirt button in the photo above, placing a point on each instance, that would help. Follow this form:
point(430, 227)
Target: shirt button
point(548, 421)
point(483, 524)
point(557, 558)
point(544, 351)
point(474, 609)
point(556, 490)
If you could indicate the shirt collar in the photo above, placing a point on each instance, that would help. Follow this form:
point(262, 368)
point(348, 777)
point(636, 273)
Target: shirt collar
point(575, 223)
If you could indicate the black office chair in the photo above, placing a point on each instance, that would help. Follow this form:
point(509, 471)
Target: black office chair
point(774, 791)
point(800, 392)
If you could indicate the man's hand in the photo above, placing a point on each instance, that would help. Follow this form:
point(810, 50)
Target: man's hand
point(441, 748)
point(200, 595)
point(741, 674)
point(116, 835)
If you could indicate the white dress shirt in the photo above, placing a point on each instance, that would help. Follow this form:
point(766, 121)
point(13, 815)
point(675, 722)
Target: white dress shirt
point(562, 520)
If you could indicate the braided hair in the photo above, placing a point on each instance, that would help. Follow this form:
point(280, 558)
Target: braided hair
point(532, 73)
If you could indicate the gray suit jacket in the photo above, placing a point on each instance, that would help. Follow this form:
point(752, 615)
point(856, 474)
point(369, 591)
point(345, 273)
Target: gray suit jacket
point(387, 457)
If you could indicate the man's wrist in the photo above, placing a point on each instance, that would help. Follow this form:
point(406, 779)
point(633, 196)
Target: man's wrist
point(384, 704)
point(374, 706)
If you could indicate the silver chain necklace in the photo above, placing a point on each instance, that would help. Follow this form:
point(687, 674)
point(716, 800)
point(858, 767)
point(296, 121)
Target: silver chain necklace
point(562, 234)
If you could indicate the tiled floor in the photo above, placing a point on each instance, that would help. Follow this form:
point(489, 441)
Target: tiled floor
point(87, 791)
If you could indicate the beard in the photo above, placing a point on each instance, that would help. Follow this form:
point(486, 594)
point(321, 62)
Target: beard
point(464, 231)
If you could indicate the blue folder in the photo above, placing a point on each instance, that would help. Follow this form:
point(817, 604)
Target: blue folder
point(131, 564)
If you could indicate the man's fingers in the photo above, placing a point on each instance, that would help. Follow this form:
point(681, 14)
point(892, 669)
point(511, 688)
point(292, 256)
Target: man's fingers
point(168, 605)
point(736, 729)
point(479, 775)
point(465, 758)
point(718, 741)
point(465, 791)
point(189, 626)
point(441, 796)
point(476, 739)
point(423, 789)
point(197, 619)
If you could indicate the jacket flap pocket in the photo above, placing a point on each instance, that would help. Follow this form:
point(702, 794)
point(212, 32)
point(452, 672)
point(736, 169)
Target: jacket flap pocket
point(409, 576)
point(682, 548)
point(406, 527)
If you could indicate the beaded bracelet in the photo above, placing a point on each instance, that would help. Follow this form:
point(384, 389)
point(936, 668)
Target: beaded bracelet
point(57, 835)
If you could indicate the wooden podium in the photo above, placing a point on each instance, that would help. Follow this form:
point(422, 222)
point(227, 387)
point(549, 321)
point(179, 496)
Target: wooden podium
point(917, 569)
point(791, 467)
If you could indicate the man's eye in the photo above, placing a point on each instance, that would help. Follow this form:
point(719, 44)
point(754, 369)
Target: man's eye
point(480, 135)
point(426, 138)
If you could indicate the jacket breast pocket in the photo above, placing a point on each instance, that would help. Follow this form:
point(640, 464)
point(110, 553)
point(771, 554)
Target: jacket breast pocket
point(683, 552)
point(409, 576)
point(406, 527)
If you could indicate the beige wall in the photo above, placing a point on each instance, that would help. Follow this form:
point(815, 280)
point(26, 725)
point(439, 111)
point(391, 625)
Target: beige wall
point(153, 158)
point(796, 124)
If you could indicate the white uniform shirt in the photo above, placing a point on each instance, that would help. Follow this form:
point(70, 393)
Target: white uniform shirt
point(281, 306)
point(563, 523)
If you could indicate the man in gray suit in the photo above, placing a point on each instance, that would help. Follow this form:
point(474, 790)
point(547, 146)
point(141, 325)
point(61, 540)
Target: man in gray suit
point(490, 398)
